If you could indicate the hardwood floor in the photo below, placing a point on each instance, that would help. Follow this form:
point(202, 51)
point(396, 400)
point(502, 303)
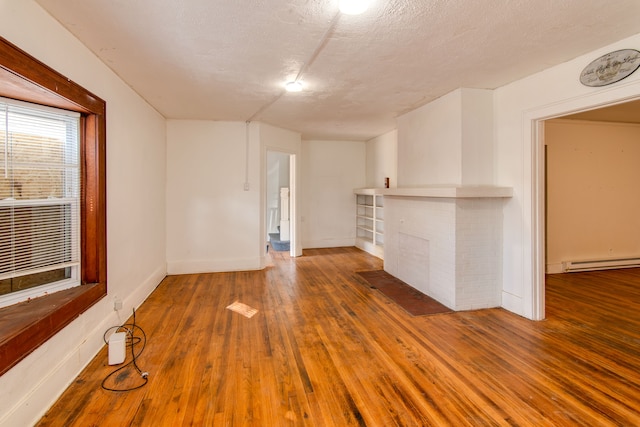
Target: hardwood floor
point(326, 350)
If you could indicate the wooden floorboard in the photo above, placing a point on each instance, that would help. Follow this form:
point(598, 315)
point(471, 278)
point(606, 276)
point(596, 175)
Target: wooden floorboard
point(326, 350)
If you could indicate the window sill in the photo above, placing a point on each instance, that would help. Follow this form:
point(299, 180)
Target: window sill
point(27, 325)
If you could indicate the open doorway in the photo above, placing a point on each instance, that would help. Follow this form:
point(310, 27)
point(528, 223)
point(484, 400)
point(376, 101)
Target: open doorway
point(587, 211)
point(280, 202)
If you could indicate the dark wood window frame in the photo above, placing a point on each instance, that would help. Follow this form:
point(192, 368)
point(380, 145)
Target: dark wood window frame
point(27, 325)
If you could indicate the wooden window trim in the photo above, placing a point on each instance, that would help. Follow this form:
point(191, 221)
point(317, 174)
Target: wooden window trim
point(26, 326)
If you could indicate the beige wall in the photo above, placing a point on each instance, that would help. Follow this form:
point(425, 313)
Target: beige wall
point(593, 202)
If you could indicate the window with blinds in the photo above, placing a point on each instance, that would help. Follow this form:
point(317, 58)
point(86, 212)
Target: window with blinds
point(39, 201)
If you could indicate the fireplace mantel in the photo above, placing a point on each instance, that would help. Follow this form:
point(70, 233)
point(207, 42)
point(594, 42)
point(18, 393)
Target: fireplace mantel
point(446, 241)
point(455, 192)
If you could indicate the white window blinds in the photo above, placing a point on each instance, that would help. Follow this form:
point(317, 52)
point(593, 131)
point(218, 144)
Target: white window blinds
point(39, 200)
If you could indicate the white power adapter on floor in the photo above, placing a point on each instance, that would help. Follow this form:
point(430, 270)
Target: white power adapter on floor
point(117, 347)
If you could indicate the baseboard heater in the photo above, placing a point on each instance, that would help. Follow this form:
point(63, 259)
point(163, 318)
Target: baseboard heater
point(600, 264)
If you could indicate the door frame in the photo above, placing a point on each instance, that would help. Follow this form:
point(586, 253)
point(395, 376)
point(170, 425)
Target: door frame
point(295, 248)
point(533, 123)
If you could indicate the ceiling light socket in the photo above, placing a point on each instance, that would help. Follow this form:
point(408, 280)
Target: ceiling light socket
point(295, 86)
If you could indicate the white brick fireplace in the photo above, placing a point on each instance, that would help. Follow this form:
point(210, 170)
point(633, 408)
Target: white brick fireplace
point(447, 242)
point(443, 224)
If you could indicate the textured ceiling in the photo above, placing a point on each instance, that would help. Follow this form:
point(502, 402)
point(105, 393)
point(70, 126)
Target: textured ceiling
point(228, 59)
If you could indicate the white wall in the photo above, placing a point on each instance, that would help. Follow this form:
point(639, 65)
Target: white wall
point(135, 212)
point(136, 162)
point(593, 203)
point(213, 224)
point(477, 162)
point(331, 171)
point(429, 150)
point(382, 160)
point(519, 164)
point(448, 141)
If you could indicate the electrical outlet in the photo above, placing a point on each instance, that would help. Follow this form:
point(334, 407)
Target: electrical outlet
point(246, 186)
point(117, 304)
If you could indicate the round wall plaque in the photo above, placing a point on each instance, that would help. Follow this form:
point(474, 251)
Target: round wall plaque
point(610, 68)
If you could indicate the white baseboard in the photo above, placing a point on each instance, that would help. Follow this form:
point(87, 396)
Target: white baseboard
point(214, 265)
point(328, 243)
